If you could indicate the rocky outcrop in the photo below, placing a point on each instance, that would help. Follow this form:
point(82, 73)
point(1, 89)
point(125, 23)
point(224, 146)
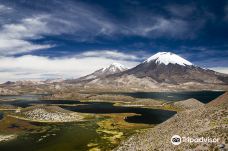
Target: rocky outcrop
point(43, 113)
point(4, 91)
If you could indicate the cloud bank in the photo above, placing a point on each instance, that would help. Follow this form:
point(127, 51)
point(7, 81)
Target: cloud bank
point(31, 67)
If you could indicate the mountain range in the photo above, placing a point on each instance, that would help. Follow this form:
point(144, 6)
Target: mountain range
point(163, 71)
point(160, 71)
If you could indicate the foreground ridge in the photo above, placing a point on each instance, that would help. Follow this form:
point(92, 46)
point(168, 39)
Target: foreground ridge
point(206, 121)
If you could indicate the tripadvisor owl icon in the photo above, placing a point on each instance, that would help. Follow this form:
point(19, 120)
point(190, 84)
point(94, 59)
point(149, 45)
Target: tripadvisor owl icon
point(176, 140)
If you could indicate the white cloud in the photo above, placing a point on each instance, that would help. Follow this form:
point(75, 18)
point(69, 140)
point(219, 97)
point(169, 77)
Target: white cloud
point(37, 67)
point(14, 38)
point(113, 54)
point(15, 46)
point(220, 69)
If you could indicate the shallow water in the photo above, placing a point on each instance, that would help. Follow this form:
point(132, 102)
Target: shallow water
point(58, 137)
point(1, 115)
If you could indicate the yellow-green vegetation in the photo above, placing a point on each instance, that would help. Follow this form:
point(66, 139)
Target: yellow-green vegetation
point(9, 108)
point(117, 121)
point(10, 125)
point(93, 147)
point(111, 135)
point(114, 128)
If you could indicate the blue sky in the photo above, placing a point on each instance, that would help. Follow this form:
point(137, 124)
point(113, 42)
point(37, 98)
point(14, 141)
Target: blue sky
point(65, 39)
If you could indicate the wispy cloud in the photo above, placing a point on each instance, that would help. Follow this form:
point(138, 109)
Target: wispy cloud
point(206, 56)
point(4, 8)
point(114, 54)
point(83, 22)
point(80, 21)
point(15, 38)
point(156, 27)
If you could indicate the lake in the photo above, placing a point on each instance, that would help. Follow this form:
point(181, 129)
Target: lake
point(203, 96)
point(148, 116)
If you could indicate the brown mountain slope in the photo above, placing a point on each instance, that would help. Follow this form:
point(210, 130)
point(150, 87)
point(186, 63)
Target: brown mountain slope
point(210, 120)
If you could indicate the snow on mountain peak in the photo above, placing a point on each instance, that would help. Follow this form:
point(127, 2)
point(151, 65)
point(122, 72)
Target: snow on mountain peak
point(114, 67)
point(167, 58)
point(118, 65)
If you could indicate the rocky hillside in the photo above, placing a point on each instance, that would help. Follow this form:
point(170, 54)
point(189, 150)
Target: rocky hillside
point(4, 91)
point(210, 120)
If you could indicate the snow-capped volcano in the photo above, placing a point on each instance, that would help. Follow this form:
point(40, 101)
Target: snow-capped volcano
point(168, 58)
point(167, 67)
point(101, 73)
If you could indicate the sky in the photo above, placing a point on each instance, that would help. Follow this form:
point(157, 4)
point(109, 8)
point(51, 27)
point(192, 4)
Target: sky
point(67, 39)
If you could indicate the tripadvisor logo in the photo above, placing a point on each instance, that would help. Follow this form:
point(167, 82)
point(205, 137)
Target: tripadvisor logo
point(176, 140)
